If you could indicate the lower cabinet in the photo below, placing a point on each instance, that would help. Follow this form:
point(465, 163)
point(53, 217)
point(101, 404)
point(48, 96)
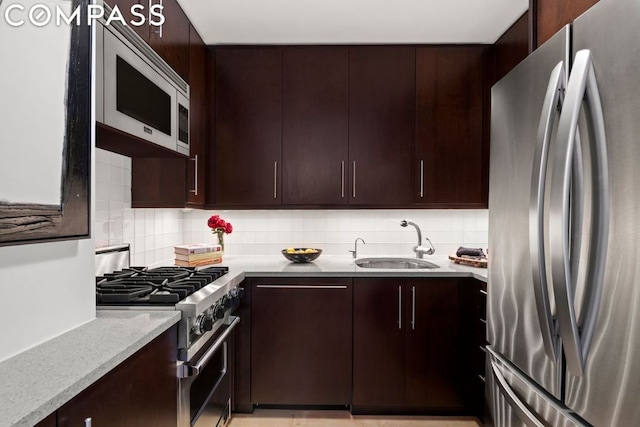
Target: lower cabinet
point(301, 341)
point(142, 391)
point(410, 345)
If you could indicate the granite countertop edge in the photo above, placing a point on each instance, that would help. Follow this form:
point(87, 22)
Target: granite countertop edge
point(341, 266)
point(99, 346)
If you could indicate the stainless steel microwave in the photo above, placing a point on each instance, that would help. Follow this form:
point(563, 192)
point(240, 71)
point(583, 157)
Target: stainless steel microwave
point(137, 92)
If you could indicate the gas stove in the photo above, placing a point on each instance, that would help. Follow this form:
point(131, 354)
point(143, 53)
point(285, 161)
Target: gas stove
point(206, 296)
point(140, 286)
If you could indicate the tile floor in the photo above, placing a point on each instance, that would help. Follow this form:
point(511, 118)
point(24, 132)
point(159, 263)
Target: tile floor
point(290, 418)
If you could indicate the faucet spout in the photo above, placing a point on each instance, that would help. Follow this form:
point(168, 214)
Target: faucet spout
point(419, 249)
point(354, 252)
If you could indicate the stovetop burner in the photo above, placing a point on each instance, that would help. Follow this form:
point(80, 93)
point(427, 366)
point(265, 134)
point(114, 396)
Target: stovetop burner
point(157, 286)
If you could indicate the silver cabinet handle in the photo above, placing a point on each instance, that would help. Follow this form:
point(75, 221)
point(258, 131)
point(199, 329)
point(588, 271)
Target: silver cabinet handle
point(552, 100)
point(399, 307)
point(421, 179)
point(87, 422)
point(354, 179)
point(195, 186)
point(577, 333)
point(275, 179)
point(413, 308)
point(521, 410)
point(342, 180)
point(302, 286)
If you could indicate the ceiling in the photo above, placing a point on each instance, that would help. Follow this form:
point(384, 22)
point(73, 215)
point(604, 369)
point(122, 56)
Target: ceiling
point(352, 21)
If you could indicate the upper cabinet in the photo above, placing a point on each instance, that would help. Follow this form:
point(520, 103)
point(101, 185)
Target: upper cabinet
point(381, 125)
point(550, 16)
point(450, 170)
point(315, 125)
point(197, 119)
point(248, 133)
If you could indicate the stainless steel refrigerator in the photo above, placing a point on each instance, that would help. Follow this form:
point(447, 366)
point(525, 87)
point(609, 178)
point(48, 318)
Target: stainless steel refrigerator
point(564, 228)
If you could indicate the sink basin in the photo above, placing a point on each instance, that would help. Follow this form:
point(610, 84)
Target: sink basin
point(395, 263)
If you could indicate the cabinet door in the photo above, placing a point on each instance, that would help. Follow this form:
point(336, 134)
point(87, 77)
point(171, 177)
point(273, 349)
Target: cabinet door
point(381, 125)
point(248, 126)
point(301, 342)
point(450, 166)
point(436, 355)
point(158, 182)
point(142, 391)
point(171, 39)
point(378, 343)
point(315, 126)
point(198, 125)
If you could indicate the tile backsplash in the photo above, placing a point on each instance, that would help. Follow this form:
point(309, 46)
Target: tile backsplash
point(152, 233)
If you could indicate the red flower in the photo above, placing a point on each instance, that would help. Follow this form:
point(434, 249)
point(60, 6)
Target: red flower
point(218, 224)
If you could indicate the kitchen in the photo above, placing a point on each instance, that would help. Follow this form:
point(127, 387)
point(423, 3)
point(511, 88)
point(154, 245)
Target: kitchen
point(153, 233)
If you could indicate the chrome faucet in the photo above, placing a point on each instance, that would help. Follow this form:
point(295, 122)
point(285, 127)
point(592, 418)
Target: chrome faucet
point(354, 252)
point(419, 249)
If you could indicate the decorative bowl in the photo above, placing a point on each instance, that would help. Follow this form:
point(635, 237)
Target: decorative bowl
point(301, 255)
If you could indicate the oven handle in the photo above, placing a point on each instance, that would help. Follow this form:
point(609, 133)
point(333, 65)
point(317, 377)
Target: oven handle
point(194, 370)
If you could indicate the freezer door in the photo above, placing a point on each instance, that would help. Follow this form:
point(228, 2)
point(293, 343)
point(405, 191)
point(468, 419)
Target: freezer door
point(607, 392)
point(516, 402)
point(520, 323)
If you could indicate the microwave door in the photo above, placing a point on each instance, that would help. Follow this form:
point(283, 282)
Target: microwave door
point(137, 99)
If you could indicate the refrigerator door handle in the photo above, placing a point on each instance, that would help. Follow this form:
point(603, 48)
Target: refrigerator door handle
point(576, 333)
point(552, 103)
point(521, 410)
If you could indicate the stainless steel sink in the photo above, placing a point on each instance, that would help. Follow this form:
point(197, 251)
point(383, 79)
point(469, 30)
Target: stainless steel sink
point(395, 263)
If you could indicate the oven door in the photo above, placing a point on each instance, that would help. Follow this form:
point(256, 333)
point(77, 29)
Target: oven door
point(205, 385)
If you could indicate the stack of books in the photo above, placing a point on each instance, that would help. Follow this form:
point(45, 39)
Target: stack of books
point(197, 255)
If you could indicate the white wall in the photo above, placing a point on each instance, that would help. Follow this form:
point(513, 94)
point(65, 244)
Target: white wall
point(334, 231)
point(152, 233)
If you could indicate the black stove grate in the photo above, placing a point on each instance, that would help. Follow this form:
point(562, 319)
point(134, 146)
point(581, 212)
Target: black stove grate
point(157, 286)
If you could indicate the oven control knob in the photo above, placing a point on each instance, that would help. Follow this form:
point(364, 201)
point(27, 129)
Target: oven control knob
point(237, 293)
point(226, 302)
point(219, 312)
point(203, 323)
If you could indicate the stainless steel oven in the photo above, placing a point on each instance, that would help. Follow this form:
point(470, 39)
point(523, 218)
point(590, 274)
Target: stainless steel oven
point(206, 297)
point(206, 381)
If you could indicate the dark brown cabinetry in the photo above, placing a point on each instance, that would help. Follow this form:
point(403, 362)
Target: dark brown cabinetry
point(140, 392)
point(479, 351)
point(301, 341)
point(124, 6)
point(550, 16)
point(315, 126)
point(409, 345)
point(248, 133)
point(450, 170)
point(171, 39)
point(381, 125)
point(196, 180)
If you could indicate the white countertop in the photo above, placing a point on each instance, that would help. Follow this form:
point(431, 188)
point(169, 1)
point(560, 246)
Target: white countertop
point(343, 266)
point(36, 382)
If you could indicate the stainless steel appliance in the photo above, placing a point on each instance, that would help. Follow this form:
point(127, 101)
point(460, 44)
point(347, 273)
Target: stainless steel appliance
point(137, 92)
point(206, 296)
point(563, 213)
